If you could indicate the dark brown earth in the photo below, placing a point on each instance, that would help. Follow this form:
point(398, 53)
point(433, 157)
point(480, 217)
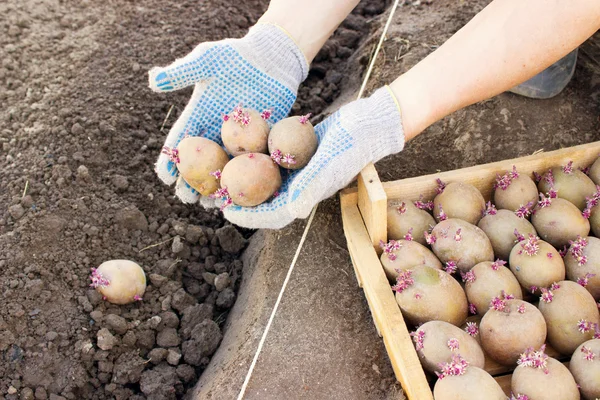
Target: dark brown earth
point(80, 133)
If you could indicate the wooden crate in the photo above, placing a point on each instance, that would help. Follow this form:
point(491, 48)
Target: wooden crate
point(365, 224)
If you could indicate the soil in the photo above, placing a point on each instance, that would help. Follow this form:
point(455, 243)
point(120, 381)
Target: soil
point(80, 133)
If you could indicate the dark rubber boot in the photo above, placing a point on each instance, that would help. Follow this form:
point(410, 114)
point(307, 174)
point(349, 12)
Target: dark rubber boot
point(550, 81)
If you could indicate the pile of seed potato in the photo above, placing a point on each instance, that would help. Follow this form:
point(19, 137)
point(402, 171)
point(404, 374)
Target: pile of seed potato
point(253, 175)
point(504, 279)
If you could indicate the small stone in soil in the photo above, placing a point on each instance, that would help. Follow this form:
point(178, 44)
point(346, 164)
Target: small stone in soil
point(230, 239)
point(146, 339)
point(205, 339)
point(226, 299)
point(158, 280)
point(181, 300)
point(157, 355)
point(168, 338)
point(116, 323)
point(222, 281)
point(168, 319)
point(159, 382)
point(120, 182)
point(173, 356)
point(132, 219)
point(106, 340)
point(186, 373)
point(16, 211)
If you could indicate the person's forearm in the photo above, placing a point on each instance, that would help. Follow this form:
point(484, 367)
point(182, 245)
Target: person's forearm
point(505, 44)
point(309, 22)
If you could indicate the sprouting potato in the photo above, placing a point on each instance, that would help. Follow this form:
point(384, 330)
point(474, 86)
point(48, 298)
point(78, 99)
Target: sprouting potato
point(119, 281)
point(460, 244)
point(404, 217)
point(399, 255)
point(458, 200)
point(245, 131)
point(585, 367)
point(250, 179)
point(500, 226)
point(536, 264)
point(557, 221)
point(513, 191)
point(509, 328)
point(292, 142)
point(200, 161)
point(569, 183)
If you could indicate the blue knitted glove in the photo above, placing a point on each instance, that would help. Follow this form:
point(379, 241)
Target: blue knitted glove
point(360, 132)
point(261, 71)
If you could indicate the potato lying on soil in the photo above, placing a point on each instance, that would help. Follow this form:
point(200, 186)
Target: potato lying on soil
point(570, 184)
point(585, 367)
point(200, 161)
point(250, 179)
point(488, 280)
point(437, 341)
point(460, 243)
point(541, 377)
point(458, 200)
point(557, 221)
point(582, 262)
point(461, 381)
point(119, 281)
point(404, 217)
point(245, 131)
point(292, 142)
point(405, 254)
point(509, 328)
point(536, 264)
point(427, 294)
point(500, 225)
point(571, 315)
point(513, 191)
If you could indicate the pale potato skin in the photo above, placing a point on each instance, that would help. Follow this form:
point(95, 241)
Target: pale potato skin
point(198, 157)
point(500, 229)
point(251, 179)
point(571, 303)
point(592, 266)
point(460, 200)
point(435, 346)
point(537, 270)
point(560, 222)
point(252, 138)
point(558, 384)
point(505, 335)
point(574, 187)
point(473, 248)
point(290, 136)
point(474, 384)
point(435, 295)
point(595, 220)
point(586, 372)
point(127, 279)
point(594, 173)
point(521, 191)
point(410, 254)
point(490, 283)
point(398, 224)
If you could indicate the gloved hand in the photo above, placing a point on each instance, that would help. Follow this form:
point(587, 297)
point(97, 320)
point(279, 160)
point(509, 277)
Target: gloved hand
point(261, 71)
point(360, 132)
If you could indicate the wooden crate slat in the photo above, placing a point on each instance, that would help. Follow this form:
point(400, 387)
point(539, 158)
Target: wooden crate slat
point(372, 202)
point(384, 309)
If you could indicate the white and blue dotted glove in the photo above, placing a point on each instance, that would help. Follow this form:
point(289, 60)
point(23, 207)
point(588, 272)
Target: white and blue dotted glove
point(261, 71)
point(360, 132)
